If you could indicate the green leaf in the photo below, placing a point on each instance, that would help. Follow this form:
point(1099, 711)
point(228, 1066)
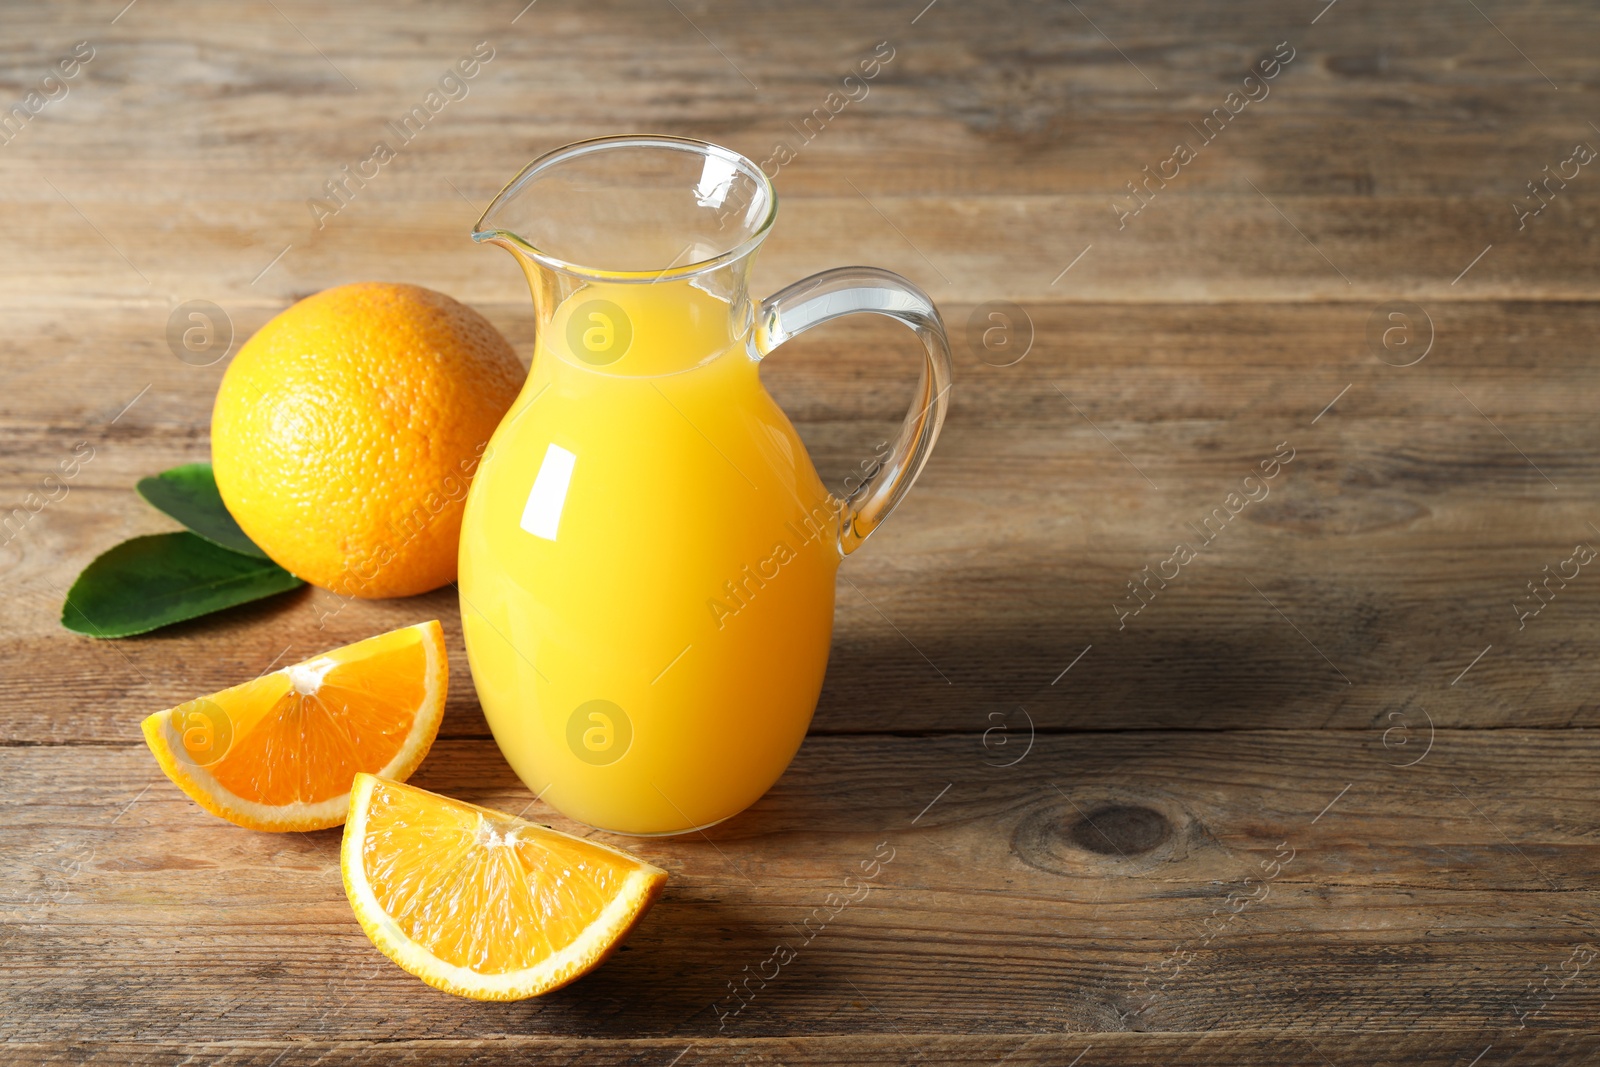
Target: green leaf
point(189, 494)
point(161, 579)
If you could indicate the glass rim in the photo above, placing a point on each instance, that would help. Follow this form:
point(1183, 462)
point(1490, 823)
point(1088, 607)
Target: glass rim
point(482, 232)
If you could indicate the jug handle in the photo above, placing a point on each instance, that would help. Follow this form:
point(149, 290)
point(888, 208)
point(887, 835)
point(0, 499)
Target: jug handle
point(842, 291)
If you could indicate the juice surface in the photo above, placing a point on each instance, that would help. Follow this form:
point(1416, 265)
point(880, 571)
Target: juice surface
point(647, 567)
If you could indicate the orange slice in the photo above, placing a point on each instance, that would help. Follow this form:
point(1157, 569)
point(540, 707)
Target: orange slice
point(280, 752)
point(482, 904)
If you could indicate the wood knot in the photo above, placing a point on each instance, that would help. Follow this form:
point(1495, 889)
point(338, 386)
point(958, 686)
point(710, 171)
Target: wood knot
point(1106, 829)
point(1120, 830)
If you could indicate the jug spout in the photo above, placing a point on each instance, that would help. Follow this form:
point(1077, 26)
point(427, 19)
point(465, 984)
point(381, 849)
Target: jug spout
point(667, 235)
point(544, 284)
point(636, 207)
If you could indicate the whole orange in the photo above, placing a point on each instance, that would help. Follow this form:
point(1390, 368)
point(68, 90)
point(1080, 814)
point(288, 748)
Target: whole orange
point(347, 430)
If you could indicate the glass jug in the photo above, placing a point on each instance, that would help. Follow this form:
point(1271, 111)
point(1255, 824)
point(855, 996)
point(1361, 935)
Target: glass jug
point(647, 554)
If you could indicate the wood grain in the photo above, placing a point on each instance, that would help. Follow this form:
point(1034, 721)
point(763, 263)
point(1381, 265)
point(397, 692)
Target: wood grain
point(995, 139)
point(1036, 898)
point(1074, 800)
point(1397, 540)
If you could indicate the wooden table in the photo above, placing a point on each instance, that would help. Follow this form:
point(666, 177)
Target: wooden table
point(1328, 798)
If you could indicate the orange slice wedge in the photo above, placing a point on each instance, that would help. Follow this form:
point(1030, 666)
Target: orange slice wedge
point(483, 904)
point(280, 752)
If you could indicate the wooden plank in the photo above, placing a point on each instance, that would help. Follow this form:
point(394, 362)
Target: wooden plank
point(1205, 363)
point(1098, 884)
point(1397, 542)
point(1244, 1048)
point(961, 250)
point(999, 163)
